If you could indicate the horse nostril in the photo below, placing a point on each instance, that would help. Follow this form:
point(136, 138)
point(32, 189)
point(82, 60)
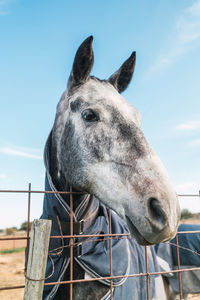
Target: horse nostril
point(156, 212)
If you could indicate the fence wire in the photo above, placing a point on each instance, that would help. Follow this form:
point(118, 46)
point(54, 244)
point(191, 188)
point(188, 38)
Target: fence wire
point(102, 238)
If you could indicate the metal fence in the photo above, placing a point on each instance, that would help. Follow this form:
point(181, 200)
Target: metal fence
point(109, 236)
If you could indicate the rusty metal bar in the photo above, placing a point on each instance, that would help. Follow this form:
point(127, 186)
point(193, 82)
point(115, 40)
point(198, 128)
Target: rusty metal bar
point(179, 267)
point(42, 192)
point(28, 226)
point(89, 235)
point(121, 276)
point(71, 244)
point(110, 245)
point(113, 234)
point(12, 287)
point(13, 238)
point(108, 278)
point(74, 193)
point(147, 272)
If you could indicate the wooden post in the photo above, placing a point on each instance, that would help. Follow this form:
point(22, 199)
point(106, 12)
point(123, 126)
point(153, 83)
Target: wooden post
point(37, 259)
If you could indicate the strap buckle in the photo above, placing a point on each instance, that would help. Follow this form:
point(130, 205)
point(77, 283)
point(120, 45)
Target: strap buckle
point(81, 225)
point(78, 251)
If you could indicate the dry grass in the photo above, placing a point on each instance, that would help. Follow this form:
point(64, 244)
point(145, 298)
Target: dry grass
point(12, 267)
point(12, 274)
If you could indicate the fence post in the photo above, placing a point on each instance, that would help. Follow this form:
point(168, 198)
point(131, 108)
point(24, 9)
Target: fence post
point(38, 251)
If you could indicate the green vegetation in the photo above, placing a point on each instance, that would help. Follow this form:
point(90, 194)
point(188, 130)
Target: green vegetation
point(24, 226)
point(11, 230)
point(12, 250)
point(186, 214)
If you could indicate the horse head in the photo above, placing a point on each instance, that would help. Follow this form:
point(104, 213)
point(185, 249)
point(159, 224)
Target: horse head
point(101, 149)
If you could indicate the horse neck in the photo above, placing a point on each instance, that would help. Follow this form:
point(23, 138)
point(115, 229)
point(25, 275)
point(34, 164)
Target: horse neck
point(60, 181)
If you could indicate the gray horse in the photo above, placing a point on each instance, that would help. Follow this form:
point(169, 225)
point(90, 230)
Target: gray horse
point(97, 146)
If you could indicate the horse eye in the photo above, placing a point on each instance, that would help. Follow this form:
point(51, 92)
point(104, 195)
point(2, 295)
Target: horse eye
point(89, 115)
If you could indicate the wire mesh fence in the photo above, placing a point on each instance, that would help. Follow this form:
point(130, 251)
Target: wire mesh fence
point(109, 237)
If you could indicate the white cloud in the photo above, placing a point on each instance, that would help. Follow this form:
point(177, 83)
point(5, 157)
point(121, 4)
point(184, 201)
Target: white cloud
point(195, 8)
point(22, 152)
point(190, 125)
point(185, 36)
point(3, 176)
point(195, 143)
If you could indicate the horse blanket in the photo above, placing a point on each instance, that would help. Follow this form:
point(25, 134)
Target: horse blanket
point(188, 259)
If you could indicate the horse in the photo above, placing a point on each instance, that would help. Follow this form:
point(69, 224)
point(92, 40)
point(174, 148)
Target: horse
point(97, 146)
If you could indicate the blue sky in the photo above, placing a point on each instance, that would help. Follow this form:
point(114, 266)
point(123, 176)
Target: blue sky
point(38, 43)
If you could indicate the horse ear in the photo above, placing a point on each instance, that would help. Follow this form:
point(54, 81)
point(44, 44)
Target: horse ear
point(83, 63)
point(122, 77)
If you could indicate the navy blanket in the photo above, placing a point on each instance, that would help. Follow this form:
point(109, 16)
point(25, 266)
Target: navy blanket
point(189, 241)
point(188, 259)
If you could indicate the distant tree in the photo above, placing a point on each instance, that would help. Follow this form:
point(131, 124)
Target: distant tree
point(1, 230)
point(10, 230)
point(186, 214)
point(24, 225)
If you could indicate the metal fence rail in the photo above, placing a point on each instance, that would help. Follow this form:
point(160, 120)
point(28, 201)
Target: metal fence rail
point(109, 236)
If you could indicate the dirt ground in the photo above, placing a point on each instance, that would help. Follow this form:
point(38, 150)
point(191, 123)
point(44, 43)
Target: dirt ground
point(12, 274)
point(12, 268)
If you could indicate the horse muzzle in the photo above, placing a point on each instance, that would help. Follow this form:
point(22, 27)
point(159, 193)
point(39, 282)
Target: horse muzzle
point(157, 223)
